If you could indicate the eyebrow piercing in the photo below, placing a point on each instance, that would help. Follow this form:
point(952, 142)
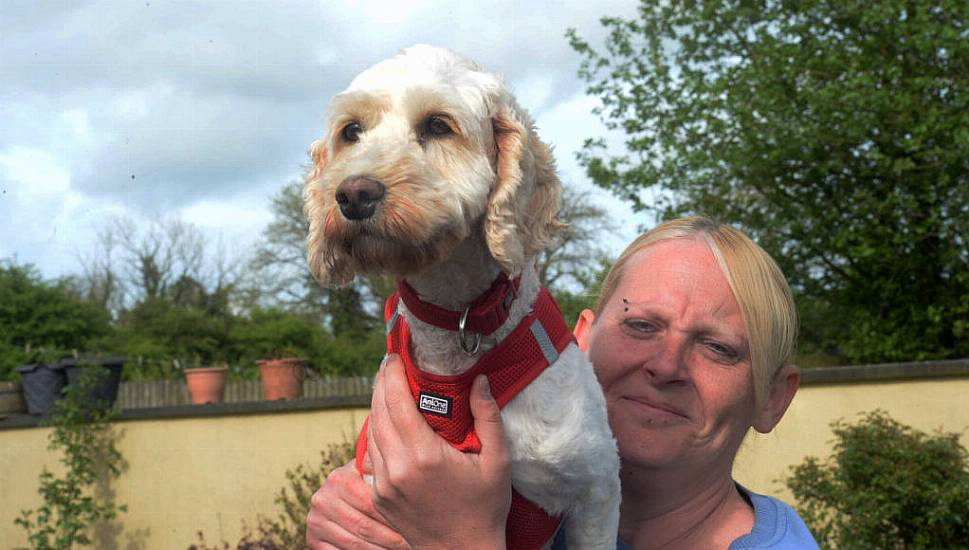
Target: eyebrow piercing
point(626, 304)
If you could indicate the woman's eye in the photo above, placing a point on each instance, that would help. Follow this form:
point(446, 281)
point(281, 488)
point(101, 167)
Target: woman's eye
point(640, 325)
point(436, 126)
point(727, 353)
point(351, 132)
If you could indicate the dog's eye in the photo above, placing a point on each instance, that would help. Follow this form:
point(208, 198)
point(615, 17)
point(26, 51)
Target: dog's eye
point(351, 132)
point(437, 126)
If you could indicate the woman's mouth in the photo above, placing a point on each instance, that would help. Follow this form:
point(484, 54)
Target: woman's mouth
point(658, 410)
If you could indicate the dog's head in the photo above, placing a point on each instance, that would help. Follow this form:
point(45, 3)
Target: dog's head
point(419, 152)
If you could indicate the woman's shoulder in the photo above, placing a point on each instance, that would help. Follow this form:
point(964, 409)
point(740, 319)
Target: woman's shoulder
point(776, 525)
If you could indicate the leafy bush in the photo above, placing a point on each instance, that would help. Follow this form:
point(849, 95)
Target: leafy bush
point(346, 356)
point(271, 332)
point(288, 529)
point(260, 540)
point(75, 502)
point(159, 330)
point(289, 526)
point(887, 485)
point(41, 314)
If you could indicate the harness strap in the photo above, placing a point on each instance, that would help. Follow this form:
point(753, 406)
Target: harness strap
point(444, 401)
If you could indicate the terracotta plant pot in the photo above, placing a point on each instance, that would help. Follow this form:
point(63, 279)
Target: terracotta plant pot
point(206, 385)
point(282, 378)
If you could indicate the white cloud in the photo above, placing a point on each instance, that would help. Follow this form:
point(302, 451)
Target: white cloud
point(32, 174)
point(238, 222)
point(566, 126)
point(41, 213)
point(211, 105)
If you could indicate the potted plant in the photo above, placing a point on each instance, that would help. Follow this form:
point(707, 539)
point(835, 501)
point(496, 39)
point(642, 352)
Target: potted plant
point(42, 378)
point(205, 384)
point(106, 373)
point(282, 375)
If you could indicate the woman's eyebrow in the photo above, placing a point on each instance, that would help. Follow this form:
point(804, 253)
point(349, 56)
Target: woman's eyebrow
point(712, 329)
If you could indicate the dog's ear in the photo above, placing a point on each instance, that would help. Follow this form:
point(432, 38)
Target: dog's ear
point(524, 204)
point(326, 263)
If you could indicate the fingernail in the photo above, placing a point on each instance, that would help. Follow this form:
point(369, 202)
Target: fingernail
point(485, 388)
point(388, 358)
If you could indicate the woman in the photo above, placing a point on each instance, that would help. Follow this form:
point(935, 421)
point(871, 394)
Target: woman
point(690, 339)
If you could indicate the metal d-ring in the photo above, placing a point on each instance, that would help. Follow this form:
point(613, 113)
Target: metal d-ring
point(462, 336)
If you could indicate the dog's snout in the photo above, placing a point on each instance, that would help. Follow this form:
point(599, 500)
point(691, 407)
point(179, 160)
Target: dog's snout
point(358, 197)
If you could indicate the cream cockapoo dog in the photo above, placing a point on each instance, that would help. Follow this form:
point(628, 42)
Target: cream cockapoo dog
point(429, 170)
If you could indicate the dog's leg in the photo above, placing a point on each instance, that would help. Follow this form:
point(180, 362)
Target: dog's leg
point(564, 457)
point(594, 520)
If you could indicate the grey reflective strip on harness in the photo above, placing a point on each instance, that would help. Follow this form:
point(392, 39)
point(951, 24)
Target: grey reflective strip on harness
point(544, 342)
point(393, 319)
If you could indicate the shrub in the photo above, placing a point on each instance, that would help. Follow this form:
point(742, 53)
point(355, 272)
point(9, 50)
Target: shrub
point(288, 529)
point(269, 332)
point(887, 485)
point(40, 313)
point(76, 501)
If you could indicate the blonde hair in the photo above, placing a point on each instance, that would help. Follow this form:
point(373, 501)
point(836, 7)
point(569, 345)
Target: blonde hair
point(757, 283)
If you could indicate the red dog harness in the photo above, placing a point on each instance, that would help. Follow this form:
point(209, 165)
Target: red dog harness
point(444, 401)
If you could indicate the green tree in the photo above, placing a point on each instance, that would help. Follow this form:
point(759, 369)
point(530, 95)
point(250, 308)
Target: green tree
point(835, 133)
point(281, 275)
point(40, 313)
point(159, 330)
point(171, 293)
point(886, 486)
point(577, 253)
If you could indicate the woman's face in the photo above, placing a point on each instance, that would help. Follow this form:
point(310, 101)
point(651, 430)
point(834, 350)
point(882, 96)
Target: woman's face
point(670, 350)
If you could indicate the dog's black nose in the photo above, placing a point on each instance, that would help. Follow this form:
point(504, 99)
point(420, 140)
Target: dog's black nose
point(358, 197)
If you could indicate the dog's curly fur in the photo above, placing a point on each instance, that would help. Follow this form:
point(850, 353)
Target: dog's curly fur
point(458, 209)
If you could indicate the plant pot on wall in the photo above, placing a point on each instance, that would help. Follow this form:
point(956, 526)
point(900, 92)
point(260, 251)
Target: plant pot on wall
point(206, 385)
point(282, 378)
point(43, 384)
point(105, 390)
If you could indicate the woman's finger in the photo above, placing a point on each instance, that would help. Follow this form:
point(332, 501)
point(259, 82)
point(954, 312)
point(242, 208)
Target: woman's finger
point(488, 425)
point(342, 515)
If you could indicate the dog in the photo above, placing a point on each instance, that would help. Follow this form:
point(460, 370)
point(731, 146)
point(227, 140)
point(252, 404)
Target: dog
point(429, 170)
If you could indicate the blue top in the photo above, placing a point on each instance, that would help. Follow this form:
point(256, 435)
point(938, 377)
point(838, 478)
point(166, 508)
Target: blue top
point(776, 526)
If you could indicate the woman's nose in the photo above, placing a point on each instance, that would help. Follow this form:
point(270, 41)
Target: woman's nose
point(668, 363)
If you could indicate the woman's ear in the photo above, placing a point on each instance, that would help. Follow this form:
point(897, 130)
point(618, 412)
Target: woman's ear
point(779, 397)
point(583, 328)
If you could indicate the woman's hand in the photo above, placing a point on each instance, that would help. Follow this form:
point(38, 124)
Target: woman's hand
point(342, 515)
point(431, 493)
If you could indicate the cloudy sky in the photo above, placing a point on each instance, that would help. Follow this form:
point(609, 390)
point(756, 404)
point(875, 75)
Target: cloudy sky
point(203, 110)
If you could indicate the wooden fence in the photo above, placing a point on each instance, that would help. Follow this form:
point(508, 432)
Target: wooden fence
point(168, 393)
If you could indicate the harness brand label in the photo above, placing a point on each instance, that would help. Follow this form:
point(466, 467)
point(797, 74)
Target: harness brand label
point(439, 405)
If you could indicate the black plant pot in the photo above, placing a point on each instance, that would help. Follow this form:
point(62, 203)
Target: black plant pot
point(42, 385)
point(105, 390)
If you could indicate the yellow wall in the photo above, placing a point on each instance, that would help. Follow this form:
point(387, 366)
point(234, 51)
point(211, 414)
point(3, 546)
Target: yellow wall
point(184, 474)
point(805, 430)
point(212, 473)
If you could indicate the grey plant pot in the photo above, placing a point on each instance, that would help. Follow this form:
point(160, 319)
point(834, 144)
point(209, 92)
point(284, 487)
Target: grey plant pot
point(106, 390)
point(42, 386)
